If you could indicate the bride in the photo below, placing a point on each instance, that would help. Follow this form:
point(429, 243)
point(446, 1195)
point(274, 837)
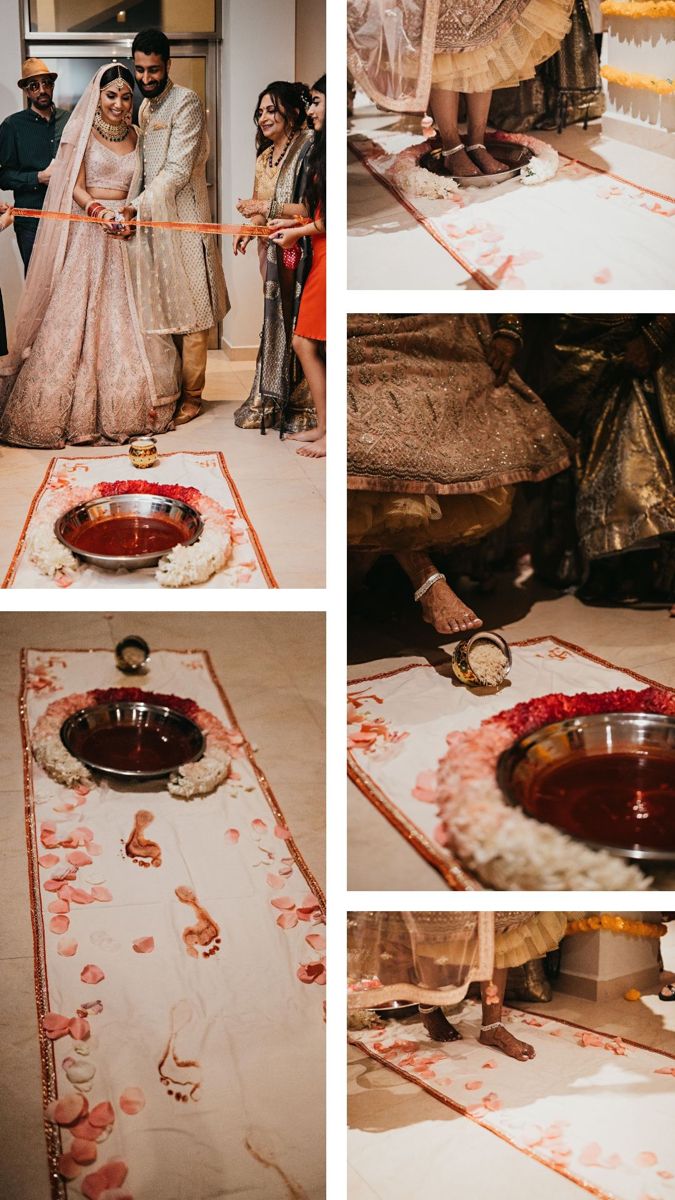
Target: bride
point(79, 369)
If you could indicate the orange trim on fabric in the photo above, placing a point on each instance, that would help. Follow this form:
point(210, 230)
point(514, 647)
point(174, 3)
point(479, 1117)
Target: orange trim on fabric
point(482, 280)
point(619, 178)
point(180, 226)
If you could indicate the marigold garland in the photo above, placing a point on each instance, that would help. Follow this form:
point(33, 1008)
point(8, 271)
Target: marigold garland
point(649, 83)
point(654, 9)
point(615, 924)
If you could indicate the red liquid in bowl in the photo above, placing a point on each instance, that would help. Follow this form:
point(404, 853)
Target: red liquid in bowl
point(622, 799)
point(133, 748)
point(128, 535)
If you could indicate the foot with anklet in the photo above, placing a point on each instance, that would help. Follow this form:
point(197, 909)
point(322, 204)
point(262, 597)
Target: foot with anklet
point(457, 162)
point(497, 1035)
point(437, 1025)
point(484, 160)
point(442, 608)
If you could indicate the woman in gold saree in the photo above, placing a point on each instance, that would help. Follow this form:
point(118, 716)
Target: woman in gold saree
point(283, 141)
point(431, 959)
point(439, 430)
point(609, 379)
point(411, 55)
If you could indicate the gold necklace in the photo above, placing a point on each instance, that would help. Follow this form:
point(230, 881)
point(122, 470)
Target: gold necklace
point(111, 133)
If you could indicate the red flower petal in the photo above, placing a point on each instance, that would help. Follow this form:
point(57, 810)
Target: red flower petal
point(232, 835)
point(91, 974)
point(282, 902)
point(59, 924)
point(102, 1115)
point(66, 947)
point(79, 1029)
point(144, 945)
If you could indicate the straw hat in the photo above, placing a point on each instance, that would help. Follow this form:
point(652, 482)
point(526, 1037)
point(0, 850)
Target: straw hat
point(32, 68)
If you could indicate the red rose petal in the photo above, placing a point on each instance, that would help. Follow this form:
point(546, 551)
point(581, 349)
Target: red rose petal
point(59, 924)
point(102, 1115)
point(54, 1025)
point(71, 1107)
point(111, 1175)
point(79, 1029)
point(79, 858)
point(67, 1166)
point(83, 1151)
point(232, 835)
point(58, 906)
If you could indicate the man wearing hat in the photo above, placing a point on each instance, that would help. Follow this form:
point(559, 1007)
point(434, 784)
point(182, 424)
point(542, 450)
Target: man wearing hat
point(28, 143)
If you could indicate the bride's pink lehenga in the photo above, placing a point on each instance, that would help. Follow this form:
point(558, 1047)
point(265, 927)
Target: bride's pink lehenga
point(91, 375)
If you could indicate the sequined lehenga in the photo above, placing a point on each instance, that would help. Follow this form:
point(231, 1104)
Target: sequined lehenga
point(433, 957)
point(90, 374)
point(434, 446)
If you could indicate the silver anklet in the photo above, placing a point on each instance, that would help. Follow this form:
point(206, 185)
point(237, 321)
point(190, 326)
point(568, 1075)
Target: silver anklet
point(428, 583)
point(496, 1025)
point(476, 146)
point(455, 150)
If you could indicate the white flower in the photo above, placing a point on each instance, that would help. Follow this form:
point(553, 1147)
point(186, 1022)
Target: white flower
point(540, 168)
point(51, 754)
point(185, 565)
point(410, 177)
point(202, 777)
point(47, 552)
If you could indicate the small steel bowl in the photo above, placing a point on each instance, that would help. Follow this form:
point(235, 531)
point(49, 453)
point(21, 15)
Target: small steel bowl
point(396, 1010)
point(614, 783)
point(131, 739)
point(461, 658)
point(433, 161)
point(129, 509)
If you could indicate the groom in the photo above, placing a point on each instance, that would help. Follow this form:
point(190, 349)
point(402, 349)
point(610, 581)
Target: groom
point(179, 276)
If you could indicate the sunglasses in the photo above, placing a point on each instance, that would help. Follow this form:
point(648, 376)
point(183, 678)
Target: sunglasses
point(37, 84)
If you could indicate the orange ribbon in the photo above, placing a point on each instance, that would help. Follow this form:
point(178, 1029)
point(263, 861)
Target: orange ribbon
point(183, 226)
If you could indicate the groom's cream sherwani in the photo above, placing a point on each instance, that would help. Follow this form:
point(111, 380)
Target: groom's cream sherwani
point(179, 276)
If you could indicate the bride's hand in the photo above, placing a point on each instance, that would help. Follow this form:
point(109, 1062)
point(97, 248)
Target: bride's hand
point(253, 208)
point(500, 357)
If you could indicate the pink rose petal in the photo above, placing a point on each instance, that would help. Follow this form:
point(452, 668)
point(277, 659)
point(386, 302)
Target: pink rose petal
point(101, 893)
point(79, 1029)
point(67, 1166)
point(132, 1101)
point(274, 881)
point(316, 941)
point(111, 1175)
point(91, 974)
point(472, 1085)
point(94, 848)
point(287, 920)
point(48, 860)
point(492, 1102)
point(144, 945)
point(79, 896)
point(59, 924)
point(259, 826)
point(58, 906)
point(102, 1115)
point(66, 947)
point(78, 858)
point(232, 835)
point(54, 1025)
point(83, 1151)
point(282, 902)
point(280, 831)
point(70, 1108)
point(646, 1159)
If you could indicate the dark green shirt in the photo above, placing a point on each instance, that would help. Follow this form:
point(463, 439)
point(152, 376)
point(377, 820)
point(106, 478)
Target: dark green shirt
point(28, 144)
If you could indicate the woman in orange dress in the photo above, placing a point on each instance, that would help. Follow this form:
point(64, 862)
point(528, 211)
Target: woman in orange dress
point(309, 340)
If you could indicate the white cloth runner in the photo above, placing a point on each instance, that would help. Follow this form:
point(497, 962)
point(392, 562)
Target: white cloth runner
point(249, 1029)
point(581, 229)
point(424, 706)
point(600, 1114)
point(204, 470)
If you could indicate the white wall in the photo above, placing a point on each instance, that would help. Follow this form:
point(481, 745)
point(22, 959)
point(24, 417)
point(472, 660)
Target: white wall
point(310, 40)
point(11, 268)
point(643, 47)
point(258, 46)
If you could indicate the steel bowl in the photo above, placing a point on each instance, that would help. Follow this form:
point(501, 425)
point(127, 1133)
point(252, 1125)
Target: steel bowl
point(433, 161)
point(137, 518)
point(131, 739)
point(607, 779)
point(396, 1010)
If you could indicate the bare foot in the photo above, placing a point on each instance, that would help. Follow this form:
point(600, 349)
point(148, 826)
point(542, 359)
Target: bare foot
point(443, 609)
point(501, 1039)
point(438, 1027)
point(305, 435)
point(487, 164)
point(460, 164)
point(314, 449)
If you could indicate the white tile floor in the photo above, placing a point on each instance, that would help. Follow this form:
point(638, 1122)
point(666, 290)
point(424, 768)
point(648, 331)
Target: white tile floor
point(387, 248)
point(272, 667)
point(283, 492)
point(380, 1100)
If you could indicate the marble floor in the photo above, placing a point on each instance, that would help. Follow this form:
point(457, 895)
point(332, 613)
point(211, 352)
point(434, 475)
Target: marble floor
point(388, 248)
point(381, 1101)
point(378, 856)
point(272, 667)
point(283, 492)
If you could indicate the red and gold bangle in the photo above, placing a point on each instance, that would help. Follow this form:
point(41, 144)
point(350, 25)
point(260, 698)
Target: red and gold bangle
point(94, 209)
